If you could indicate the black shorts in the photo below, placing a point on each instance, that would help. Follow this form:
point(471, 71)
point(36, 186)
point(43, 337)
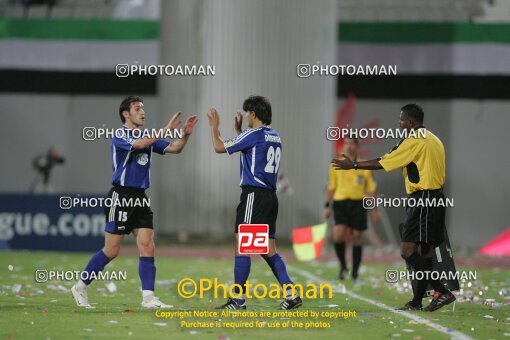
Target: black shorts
point(351, 213)
point(258, 206)
point(122, 220)
point(425, 224)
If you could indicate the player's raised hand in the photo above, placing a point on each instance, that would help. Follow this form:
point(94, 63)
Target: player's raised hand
point(214, 117)
point(174, 121)
point(343, 164)
point(238, 122)
point(190, 124)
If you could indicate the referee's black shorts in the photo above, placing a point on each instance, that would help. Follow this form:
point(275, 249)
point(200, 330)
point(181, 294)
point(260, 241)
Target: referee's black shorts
point(257, 206)
point(425, 224)
point(122, 220)
point(350, 213)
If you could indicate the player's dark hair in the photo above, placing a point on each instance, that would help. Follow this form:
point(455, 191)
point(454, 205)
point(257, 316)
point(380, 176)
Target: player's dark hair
point(125, 105)
point(414, 112)
point(260, 106)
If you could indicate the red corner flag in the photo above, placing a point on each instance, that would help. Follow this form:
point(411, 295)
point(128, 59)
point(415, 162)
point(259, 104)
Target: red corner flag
point(308, 242)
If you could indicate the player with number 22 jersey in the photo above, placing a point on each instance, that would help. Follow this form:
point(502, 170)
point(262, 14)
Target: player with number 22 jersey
point(260, 151)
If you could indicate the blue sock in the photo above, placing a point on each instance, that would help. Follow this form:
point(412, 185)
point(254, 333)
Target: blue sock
point(279, 269)
point(147, 272)
point(241, 272)
point(95, 265)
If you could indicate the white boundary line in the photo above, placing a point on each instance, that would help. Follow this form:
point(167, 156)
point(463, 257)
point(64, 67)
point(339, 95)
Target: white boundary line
point(448, 331)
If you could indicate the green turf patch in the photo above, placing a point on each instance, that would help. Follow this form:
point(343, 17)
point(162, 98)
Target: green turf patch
point(47, 310)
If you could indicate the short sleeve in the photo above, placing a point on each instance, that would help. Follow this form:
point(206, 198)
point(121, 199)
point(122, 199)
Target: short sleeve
point(401, 155)
point(243, 141)
point(332, 178)
point(123, 143)
point(160, 146)
point(371, 185)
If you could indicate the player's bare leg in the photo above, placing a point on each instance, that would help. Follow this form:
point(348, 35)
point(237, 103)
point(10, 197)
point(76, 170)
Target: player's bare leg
point(146, 267)
point(338, 234)
point(96, 264)
point(112, 245)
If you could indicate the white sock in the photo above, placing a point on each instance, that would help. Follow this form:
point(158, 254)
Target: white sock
point(147, 294)
point(81, 285)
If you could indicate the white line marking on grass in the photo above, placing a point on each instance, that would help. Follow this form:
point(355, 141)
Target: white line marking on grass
point(445, 330)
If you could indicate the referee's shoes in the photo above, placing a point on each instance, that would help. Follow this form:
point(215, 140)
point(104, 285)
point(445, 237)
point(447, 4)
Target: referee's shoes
point(440, 300)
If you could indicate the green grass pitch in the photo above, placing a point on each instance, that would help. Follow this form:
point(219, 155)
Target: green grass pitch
point(47, 310)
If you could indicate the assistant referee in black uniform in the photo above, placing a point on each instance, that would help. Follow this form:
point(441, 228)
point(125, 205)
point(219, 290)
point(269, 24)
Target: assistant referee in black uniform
point(422, 160)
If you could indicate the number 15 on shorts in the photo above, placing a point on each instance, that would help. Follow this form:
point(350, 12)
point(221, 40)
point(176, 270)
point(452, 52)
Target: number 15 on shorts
point(253, 239)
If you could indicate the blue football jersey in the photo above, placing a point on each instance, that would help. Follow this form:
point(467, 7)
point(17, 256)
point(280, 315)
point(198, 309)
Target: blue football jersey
point(261, 151)
point(131, 167)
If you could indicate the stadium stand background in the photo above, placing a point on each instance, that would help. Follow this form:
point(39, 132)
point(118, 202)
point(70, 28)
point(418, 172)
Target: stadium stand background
point(195, 196)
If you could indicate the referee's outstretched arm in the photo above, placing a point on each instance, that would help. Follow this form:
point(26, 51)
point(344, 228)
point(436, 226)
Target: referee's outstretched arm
point(347, 164)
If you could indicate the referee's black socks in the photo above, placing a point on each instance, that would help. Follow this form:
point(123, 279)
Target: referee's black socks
point(436, 284)
point(356, 260)
point(422, 264)
point(340, 253)
point(418, 263)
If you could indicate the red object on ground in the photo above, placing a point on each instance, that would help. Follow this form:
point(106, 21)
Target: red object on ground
point(500, 245)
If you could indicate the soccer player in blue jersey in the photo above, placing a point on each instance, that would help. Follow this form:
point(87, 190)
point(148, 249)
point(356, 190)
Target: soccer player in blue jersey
point(260, 149)
point(131, 161)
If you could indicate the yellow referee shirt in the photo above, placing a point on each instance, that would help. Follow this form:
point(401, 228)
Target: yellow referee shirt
point(350, 184)
point(422, 160)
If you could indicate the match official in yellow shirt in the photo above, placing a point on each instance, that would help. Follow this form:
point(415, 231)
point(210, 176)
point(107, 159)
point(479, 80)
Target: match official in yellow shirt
point(422, 160)
point(347, 189)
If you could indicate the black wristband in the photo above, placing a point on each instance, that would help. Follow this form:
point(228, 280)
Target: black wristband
point(326, 205)
point(355, 165)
